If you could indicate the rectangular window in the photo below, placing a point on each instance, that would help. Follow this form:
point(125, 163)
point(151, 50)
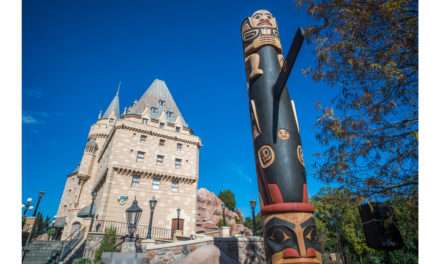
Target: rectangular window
point(161, 102)
point(159, 159)
point(140, 156)
point(169, 114)
point(174, 186)
point(145, 121)
point(153, 109)
point(161, 142)
point(177, 129)
point(135, 180)
point(156, 183)
point(143, 138)
point(179, 146)
point(178, 163)
point(161, 125)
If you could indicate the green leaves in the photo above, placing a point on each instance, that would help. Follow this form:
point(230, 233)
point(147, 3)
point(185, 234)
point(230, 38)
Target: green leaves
point(368, 51)
point(228, 198)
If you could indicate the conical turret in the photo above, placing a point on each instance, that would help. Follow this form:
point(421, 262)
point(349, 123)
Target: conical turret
point(113, 109)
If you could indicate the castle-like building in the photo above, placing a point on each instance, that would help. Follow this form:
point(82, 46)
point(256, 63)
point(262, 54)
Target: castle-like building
point(148, 150)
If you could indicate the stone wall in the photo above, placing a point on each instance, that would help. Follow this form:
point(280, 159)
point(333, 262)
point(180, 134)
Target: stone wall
point(244, 250)
point(173, 252)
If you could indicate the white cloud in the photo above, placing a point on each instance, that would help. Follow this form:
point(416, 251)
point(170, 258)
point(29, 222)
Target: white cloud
point(241, 173)
point(29, 120)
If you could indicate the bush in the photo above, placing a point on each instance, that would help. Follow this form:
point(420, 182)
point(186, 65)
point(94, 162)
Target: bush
point(108, 243)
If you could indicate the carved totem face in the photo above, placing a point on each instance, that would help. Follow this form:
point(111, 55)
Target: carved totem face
point(263, 19)
point(292, 238)
point(258, 30)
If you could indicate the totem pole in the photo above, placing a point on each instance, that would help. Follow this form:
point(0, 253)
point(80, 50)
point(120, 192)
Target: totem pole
point(289, 227)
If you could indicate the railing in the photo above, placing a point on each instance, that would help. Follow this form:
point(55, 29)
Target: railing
point(121, 229)
point(71, 242)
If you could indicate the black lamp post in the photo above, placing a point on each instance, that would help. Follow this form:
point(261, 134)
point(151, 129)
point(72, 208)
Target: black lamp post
point(27, 206)
point(133, 215)
point(153, 203)
point(91, 211)
point(254, 225)
point(178, 218)
point(40, 196)
point(224, 219)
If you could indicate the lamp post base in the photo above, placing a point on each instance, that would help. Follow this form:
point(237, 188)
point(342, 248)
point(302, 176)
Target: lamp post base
point(128, 247)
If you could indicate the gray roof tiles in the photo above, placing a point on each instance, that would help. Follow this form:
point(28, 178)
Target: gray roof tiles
point(157, 100)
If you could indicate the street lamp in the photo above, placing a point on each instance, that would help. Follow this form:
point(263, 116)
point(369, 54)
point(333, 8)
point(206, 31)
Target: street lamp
point(153, 203)
point(27, 206)
point(253, 204)
point(91, 209)
point(40, 196)
point(224, 219)
point(28, 239)
point(133, 215)
point(178, 218)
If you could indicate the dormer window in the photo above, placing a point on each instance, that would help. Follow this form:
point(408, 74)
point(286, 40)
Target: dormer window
point(161, 125)
point(153, 109)
point(161, 102)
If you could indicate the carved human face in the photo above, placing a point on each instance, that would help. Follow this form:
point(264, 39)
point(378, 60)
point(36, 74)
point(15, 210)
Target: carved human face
point(263, 19)
point(292, 238)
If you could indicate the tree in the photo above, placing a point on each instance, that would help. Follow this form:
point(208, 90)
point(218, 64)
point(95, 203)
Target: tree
point(41, 226)
point(341, 231)
point(108, 243)
point(258, 224)
point(368, 51)
point(228, 199)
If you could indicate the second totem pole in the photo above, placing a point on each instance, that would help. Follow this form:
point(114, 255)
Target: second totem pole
point(289, 227)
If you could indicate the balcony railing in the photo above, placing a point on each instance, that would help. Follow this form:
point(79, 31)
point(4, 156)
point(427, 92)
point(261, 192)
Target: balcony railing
point(121, 229)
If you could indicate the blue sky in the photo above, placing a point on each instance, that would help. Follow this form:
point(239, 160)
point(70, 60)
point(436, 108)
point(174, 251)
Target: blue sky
point(76, 52)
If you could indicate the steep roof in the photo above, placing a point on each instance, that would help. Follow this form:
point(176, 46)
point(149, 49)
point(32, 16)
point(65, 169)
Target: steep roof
point(113, 108)
point(158, 103)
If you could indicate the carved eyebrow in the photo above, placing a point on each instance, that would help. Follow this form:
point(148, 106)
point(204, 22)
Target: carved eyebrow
point(277, 221)
point(308, 222)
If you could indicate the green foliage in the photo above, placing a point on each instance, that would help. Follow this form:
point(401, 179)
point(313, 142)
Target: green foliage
point(368, 51)
point(340, 229)
point(108, 243)
point(228, 198)
point(41, 226)
point(258, 224)
point(221, 223)
point(83, 261)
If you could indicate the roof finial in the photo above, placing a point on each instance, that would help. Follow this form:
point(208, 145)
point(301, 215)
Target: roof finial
point(119, 87)
point(100, 114)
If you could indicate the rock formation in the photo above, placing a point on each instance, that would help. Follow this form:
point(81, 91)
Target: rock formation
point(209, 214)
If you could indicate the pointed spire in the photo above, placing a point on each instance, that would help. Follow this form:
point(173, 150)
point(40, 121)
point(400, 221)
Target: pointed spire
point(119, 87)
point(113, 108)
point(156, 101)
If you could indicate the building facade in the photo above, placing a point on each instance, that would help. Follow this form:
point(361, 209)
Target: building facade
point(146, 151)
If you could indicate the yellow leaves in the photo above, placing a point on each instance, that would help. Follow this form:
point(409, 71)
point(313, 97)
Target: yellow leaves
point(373, 181)
point(415, 134)
point(375, 66)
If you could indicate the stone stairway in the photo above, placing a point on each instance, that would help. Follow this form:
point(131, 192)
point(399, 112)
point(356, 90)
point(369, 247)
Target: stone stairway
point(41, 252)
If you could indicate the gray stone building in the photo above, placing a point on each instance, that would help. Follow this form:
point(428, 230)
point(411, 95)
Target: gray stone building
point(148, 150)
